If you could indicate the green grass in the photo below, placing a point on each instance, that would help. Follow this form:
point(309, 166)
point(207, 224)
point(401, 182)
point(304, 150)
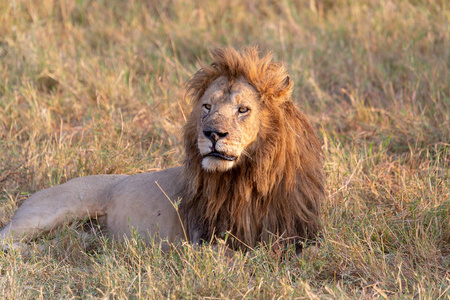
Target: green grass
point(97, 87)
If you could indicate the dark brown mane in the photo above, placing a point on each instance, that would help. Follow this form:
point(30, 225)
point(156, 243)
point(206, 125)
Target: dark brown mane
point(275, 191)
point(267, 77)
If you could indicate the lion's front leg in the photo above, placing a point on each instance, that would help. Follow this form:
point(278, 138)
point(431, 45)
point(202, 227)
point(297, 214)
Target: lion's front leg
point(49, 208)
point(198, 234)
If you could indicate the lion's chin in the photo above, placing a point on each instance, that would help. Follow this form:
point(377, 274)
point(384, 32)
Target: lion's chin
point(213, 164)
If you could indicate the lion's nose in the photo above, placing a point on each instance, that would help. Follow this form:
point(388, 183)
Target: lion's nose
point(214, 135)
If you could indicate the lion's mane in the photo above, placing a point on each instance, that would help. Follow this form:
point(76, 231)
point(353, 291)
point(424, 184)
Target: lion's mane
point(275, 191)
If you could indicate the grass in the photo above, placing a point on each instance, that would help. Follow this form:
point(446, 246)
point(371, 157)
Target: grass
point(97, 87)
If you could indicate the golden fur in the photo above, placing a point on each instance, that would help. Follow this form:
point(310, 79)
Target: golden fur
point(275, 191)
point(253, 168)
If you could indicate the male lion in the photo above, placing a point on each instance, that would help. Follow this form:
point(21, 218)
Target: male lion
point(253, 169)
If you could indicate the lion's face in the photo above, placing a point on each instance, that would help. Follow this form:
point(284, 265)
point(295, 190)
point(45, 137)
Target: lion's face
point(229, 123)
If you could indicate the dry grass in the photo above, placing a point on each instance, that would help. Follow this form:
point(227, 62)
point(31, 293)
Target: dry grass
point(96, 87)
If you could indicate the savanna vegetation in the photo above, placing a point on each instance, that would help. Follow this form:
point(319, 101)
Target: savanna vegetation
point(97, 87)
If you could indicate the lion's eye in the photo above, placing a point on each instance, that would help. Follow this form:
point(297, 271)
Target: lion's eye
point(207, 107)
point(243, 110)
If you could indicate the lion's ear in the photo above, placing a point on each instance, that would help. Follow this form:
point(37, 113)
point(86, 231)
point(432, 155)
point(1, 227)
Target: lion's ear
point(285, 88)
point(287, 81)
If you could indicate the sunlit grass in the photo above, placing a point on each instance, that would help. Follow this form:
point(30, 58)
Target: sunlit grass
point(97, 87)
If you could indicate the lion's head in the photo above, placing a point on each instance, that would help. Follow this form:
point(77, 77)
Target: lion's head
point(228, 123)
point(253, 164)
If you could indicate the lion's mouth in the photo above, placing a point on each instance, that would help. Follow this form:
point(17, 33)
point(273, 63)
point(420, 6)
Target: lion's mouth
point(221, 156)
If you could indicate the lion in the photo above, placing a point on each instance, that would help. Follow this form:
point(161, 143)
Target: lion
point(252, 172)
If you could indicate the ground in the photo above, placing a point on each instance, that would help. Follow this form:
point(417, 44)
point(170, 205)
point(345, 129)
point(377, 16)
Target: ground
point(97, 87)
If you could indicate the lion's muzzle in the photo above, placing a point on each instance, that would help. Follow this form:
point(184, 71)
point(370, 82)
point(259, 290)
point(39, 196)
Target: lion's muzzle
point(221, 156)
point(214, 136)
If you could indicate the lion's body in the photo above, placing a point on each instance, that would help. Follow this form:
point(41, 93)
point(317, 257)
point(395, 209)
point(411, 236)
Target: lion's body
point(119, 202)
point(253, 169)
